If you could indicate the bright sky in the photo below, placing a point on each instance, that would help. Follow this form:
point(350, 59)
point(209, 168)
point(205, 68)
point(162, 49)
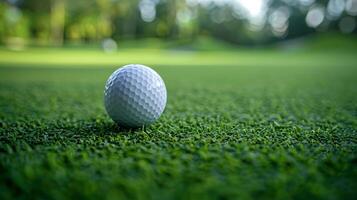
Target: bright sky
point(254, 8)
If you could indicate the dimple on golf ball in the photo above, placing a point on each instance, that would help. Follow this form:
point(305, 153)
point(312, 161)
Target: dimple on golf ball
point(135, 95)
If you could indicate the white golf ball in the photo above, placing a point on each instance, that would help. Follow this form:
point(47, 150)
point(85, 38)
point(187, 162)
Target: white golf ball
point(135, 95)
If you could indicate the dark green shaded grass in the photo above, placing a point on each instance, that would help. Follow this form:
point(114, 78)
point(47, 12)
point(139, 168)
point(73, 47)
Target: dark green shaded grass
point(271, 132)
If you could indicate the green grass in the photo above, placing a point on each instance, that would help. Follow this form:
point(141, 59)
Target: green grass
point(238, 125)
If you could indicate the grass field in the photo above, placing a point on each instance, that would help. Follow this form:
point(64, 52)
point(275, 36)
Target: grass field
point(245, 124)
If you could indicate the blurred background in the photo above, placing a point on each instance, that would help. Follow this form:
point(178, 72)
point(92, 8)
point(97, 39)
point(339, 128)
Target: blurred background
point(108, 22)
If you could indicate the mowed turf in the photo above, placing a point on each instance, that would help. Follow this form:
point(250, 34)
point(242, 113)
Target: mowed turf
point(277, 126)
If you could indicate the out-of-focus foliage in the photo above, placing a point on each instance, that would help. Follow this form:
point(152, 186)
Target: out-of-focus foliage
point(236, 21)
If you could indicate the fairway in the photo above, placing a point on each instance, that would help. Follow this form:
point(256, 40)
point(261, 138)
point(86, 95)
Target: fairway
point(240, 124)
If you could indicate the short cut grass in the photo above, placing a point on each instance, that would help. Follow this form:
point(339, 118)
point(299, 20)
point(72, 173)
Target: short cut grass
point(276, 126)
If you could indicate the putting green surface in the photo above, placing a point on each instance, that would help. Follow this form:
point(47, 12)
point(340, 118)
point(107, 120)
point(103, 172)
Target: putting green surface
point(238, 124)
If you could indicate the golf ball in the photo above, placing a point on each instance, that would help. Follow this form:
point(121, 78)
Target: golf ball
point(135, 95)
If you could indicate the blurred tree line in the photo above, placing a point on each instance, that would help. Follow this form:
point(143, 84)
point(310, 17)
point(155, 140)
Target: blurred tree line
point(235, 21)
